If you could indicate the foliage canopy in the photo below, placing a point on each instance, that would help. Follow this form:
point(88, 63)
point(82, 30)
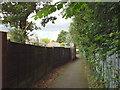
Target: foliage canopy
point(16, 14)
point(45, 40)
point(95, 30)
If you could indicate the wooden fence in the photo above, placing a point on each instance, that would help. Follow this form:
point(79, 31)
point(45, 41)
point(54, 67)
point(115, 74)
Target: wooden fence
point(3, 50)
point(24, 65)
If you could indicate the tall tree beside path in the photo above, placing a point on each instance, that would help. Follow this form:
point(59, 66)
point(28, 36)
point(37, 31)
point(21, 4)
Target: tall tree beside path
point(62, 36)
point(16, 14)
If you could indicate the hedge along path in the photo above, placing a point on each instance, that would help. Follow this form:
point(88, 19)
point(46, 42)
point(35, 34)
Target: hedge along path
point(73, 76)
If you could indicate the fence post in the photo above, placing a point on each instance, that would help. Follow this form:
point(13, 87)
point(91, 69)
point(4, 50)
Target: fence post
point(70, 54)
point(3, 50)
point(0, 60)
point(75, 50)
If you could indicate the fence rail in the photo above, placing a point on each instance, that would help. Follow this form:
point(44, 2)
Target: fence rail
point(26, 64)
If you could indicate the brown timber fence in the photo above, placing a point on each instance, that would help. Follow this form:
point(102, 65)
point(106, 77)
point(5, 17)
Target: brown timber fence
point(23, 64)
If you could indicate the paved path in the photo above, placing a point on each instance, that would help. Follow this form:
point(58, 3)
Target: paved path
point(73, 76)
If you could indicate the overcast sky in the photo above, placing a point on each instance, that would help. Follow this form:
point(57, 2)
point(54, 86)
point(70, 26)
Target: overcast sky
point(51, 30)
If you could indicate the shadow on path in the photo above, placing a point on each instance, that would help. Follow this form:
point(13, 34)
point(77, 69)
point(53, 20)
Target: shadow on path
point(73, 76)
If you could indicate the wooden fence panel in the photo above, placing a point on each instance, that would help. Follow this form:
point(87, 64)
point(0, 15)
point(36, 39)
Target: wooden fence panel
point(24, 65)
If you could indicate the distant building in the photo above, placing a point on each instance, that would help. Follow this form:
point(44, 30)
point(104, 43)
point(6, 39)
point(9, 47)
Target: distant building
point(52, 44)
point(42, 43)
point(31, 41)
point(34, 41)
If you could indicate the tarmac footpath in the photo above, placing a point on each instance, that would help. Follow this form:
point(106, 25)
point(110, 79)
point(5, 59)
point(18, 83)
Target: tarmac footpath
point(73, 76)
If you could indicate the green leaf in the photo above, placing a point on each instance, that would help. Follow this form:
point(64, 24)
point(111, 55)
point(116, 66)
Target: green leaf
point(111, 34)
point(59, 6)
point(46, 13)
point(64, 15)
point(97, 38)
point(39, 14)
point(53, 9)
point(35, 18)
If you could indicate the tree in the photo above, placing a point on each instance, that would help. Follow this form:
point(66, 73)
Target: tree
point(16, 14)
point(62, 37)
point(46, 40)
point(52, 41)
point(62, 44)
point(16, 35)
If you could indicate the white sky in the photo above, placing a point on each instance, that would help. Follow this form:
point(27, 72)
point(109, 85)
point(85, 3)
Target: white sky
point(50, 31)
